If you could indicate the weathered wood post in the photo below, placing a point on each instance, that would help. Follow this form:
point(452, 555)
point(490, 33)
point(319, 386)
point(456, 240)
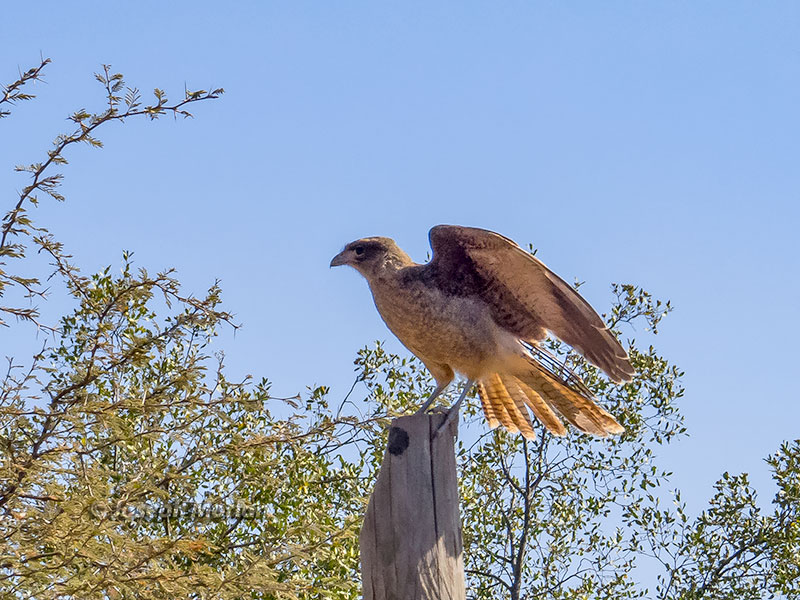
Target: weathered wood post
point(411, 538)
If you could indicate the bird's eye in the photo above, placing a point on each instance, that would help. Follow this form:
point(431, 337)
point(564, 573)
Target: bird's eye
point(359, 250)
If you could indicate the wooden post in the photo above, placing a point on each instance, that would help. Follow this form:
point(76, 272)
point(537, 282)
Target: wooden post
point(411, 538)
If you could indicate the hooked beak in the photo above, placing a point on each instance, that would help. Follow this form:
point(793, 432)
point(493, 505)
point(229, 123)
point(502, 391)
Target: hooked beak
point(339, 259)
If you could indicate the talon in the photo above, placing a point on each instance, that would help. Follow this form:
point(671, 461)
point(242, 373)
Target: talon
point(452, 415)
point(453, 412)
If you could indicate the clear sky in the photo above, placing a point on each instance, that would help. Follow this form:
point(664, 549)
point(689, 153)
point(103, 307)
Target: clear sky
point(656, 143)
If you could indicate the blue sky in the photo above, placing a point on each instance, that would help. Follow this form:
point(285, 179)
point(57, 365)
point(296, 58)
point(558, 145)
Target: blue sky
point(655, 143)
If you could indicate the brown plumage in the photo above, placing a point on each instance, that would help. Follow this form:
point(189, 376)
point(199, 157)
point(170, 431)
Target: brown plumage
point(476, 308)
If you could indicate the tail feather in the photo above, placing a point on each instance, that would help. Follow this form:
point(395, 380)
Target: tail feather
point(492, 416)
point(520, 400)
point(516, 407)
point(543, 411)
point(514, 419)
point(578, 410)
point(489, 397)
point(504, 398)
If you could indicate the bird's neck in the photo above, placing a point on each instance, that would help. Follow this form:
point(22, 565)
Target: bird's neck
point(389, 268)
point(397, 259)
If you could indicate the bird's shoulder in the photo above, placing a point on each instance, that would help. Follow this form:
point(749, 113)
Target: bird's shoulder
point(457, 278)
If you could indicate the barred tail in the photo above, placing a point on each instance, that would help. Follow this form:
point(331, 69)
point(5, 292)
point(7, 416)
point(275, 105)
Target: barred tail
point(501, 407)
point(505, 397)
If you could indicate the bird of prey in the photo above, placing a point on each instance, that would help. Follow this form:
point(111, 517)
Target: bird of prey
point(479, 308)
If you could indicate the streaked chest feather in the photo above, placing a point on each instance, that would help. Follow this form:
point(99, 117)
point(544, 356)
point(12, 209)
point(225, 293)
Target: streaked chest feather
point(439, 327)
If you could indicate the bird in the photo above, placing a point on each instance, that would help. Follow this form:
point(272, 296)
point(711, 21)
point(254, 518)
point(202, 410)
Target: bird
point(481, 308)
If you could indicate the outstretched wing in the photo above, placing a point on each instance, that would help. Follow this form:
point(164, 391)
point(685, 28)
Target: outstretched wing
point(525, 296)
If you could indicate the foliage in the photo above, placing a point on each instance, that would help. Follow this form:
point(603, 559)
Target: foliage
point(132, 467)
point(578, 517)
point(123, 431)
point(731, 550)
point(121, 103)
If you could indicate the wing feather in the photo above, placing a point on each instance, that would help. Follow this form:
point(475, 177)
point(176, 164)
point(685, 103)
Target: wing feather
point(525, 296)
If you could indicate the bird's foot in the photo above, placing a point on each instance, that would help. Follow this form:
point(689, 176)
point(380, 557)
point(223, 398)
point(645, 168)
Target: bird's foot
point(452, 417)
point(431, 410)
point(452, 414)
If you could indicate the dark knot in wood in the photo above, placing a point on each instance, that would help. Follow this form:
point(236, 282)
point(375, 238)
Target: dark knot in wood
point(398, 441)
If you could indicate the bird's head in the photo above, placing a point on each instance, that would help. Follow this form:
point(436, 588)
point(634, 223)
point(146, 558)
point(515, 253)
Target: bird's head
point(370, 256)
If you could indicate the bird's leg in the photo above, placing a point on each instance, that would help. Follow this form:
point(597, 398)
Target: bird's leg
point(435, 394)
point(453, 412)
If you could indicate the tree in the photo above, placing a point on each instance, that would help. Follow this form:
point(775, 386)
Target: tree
point(132, 467)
